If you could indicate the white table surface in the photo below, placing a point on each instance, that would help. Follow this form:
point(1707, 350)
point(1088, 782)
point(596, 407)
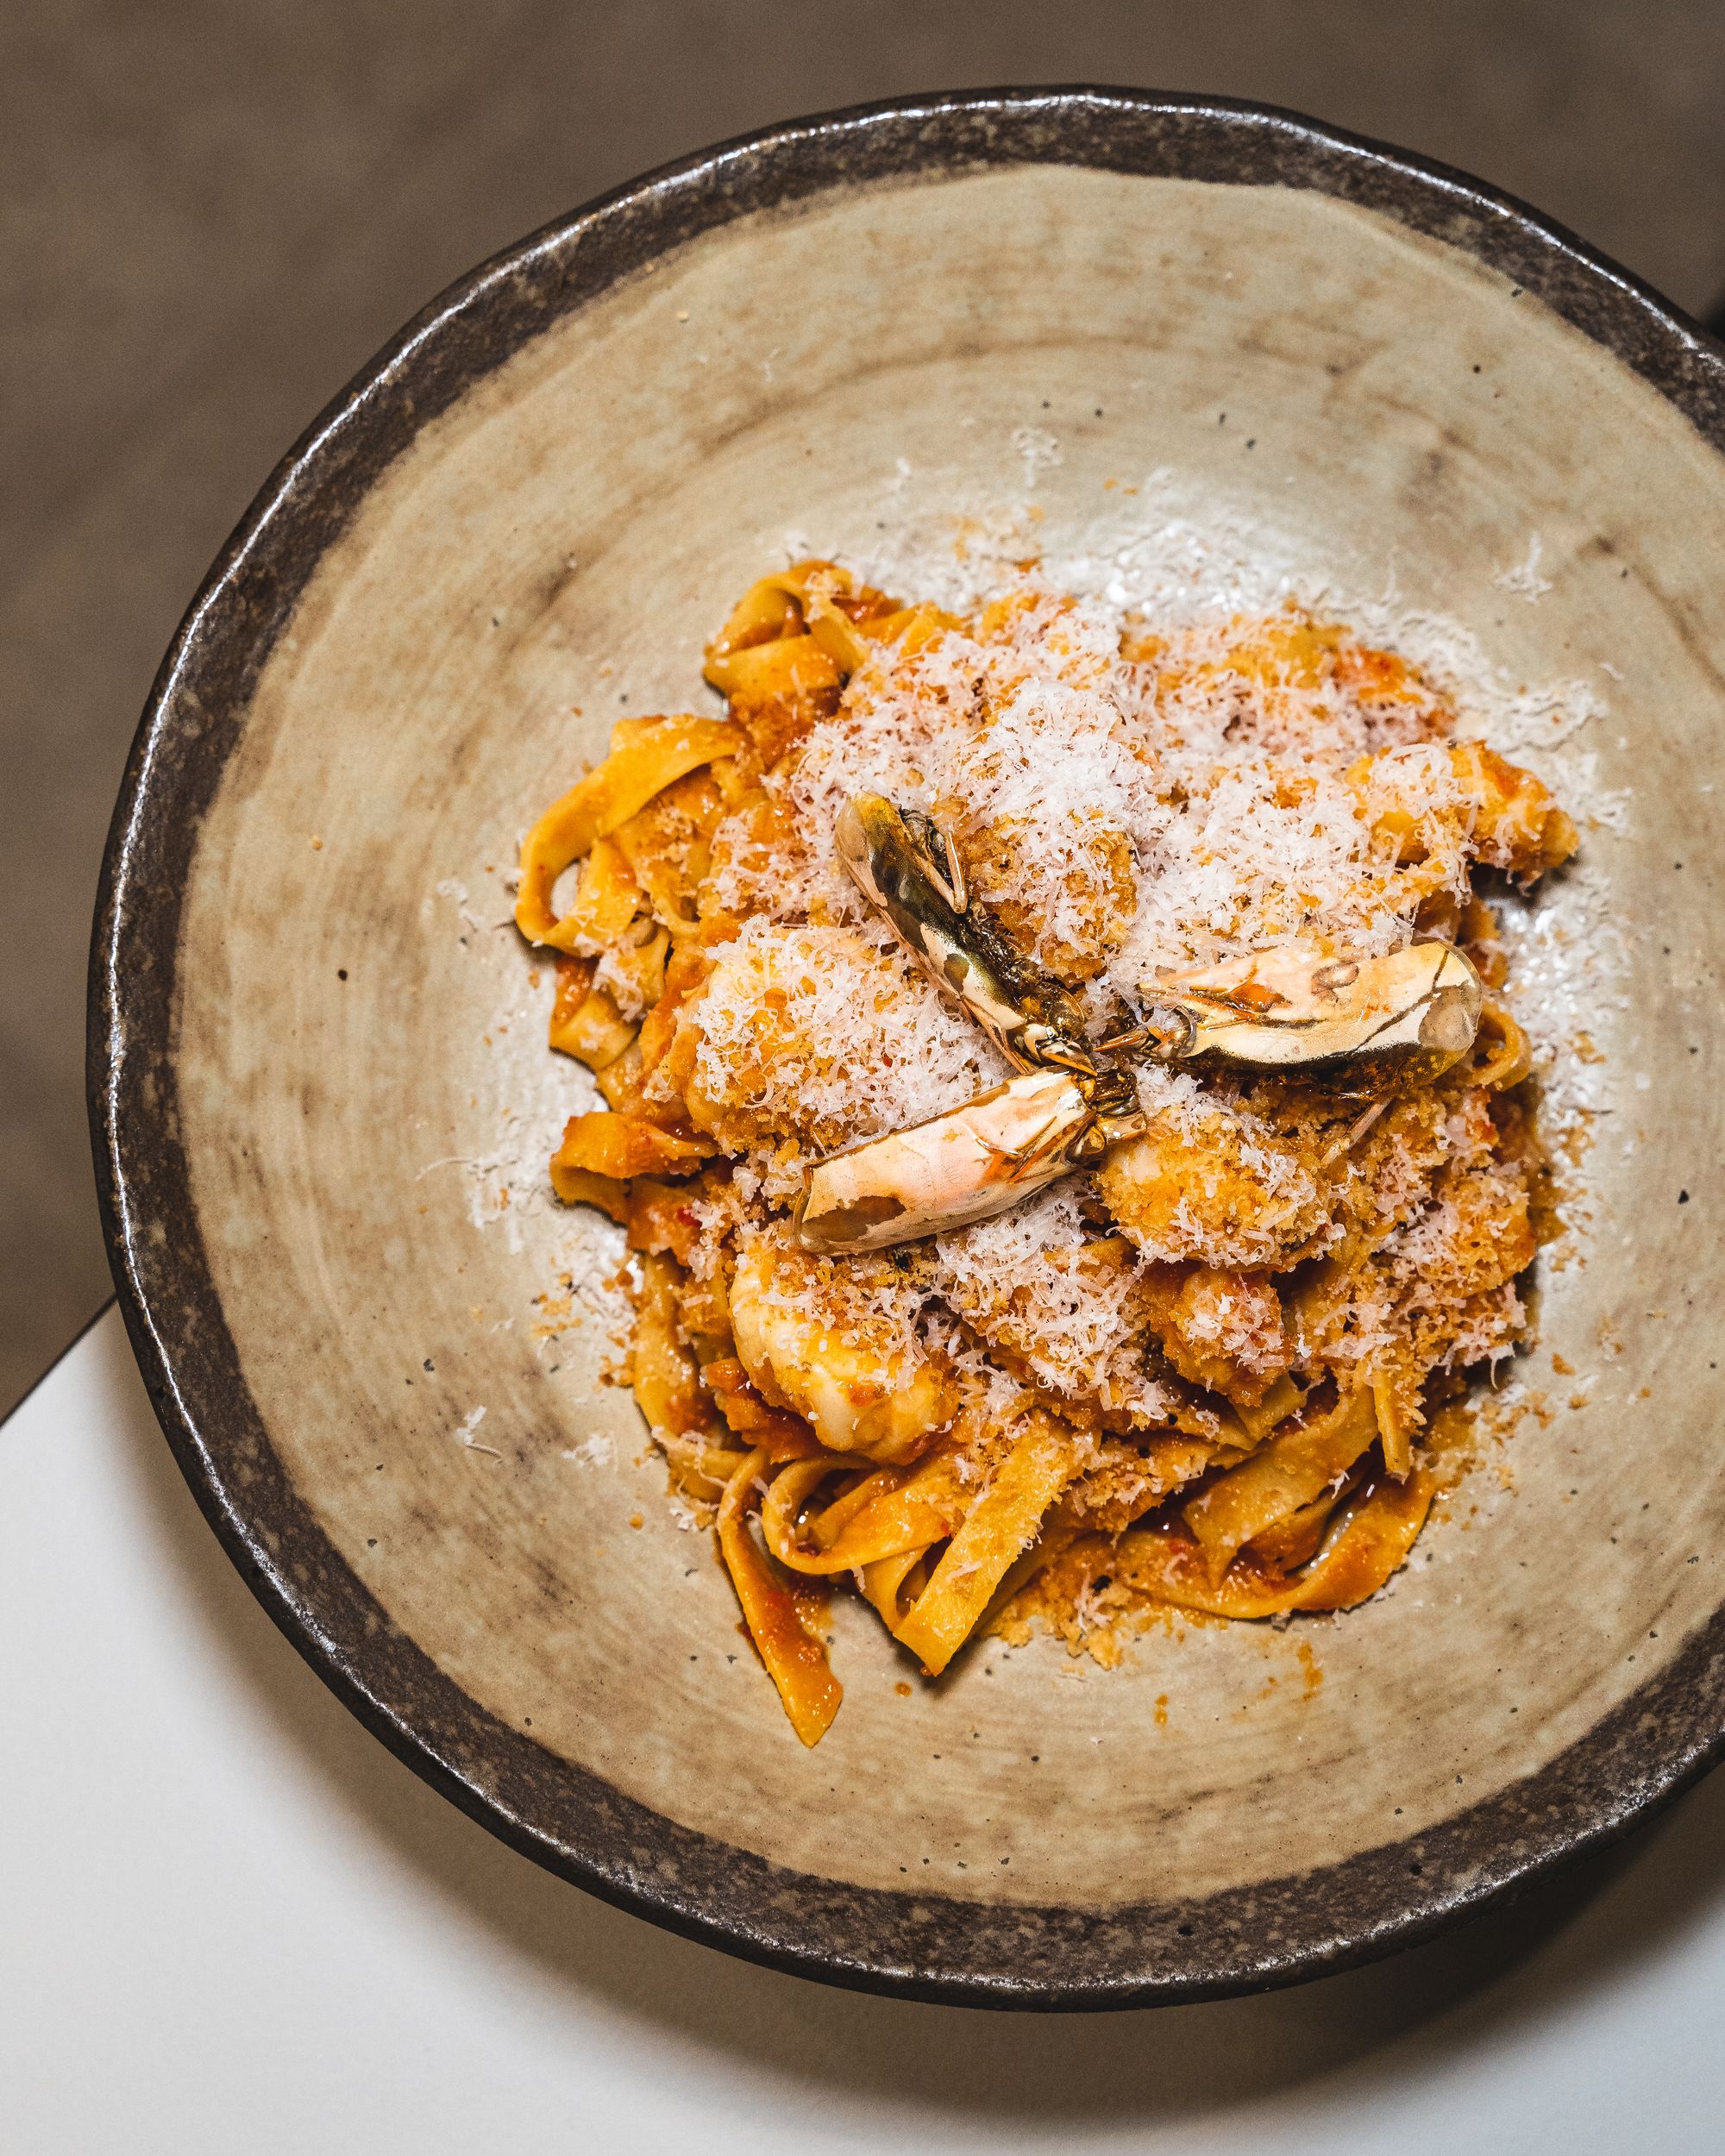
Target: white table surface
point(231, 1921)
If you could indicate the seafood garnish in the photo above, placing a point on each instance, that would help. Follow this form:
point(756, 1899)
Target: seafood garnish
point(1409, 1014)
point(952, 1170)
point(1372, 1022)
point(1031, 1018)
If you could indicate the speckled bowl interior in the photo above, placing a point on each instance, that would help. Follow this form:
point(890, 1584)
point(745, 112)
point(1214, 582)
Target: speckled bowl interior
point(322, 1097)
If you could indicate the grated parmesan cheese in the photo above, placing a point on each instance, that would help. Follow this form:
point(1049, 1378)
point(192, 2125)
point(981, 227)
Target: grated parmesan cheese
point(810, 1037)
point(1147, 760)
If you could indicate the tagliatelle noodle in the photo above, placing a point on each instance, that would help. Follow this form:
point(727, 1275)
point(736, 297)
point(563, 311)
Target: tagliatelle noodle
point(1206, 1378)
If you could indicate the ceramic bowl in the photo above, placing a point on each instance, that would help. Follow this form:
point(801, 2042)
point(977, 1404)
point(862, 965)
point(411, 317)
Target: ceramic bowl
point(321, 1095)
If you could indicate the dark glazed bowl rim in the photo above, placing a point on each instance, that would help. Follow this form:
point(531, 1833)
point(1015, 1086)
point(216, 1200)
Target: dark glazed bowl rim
point(919, 1946)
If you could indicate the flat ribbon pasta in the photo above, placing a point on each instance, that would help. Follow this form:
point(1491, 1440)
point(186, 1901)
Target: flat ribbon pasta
point(796, 1663)
point(1369, 1543)
point(647, 755)
point(910, 1515)
point(995, 1530)
point(1289, 1471)
point(617, 1147)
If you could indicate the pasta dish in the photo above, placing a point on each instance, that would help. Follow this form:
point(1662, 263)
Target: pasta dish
point(1072, 1147)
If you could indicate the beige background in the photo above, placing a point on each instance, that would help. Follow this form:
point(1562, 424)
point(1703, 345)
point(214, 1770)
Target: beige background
point(214, 211)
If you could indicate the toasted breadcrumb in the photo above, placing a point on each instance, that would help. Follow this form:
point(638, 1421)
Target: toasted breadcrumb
point(1126, 797)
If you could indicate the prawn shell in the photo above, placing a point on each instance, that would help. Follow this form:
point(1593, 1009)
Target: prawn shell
point(1411, 1013)
point(1031, 1017)
point(949, 1172)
